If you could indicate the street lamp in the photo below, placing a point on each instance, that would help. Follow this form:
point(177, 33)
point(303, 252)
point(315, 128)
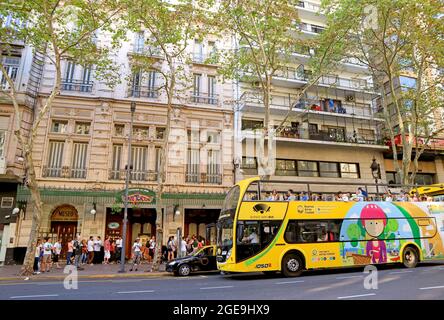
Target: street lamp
point(94, 211)
point(128, 172)
point(176, 211)
point(376, 173)
point(236, 164)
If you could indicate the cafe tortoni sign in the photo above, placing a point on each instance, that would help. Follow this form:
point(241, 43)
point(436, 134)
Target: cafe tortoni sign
point(139, 196)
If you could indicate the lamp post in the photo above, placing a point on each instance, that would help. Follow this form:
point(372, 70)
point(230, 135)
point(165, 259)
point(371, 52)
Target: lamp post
point(236, 164)
point(376, 173)
point(128, 173)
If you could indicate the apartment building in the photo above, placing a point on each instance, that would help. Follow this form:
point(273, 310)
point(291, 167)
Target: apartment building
point(331, 135)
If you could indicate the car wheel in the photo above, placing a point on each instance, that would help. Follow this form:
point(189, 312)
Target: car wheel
point(292, 265)
point(410, 257)
point(184, 270)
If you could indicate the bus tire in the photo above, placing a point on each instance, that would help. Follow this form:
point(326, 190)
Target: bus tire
point(292, 265)
point(410, 257)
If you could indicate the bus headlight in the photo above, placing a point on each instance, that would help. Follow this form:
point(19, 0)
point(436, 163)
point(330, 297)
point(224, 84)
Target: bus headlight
point(229, 254)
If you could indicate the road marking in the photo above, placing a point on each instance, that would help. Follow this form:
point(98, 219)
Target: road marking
point(285, 282)
point(430, 288)
point(357, 296)
point(144, 291)
point(209, 288)
point(396, 272)
point(35, 296)
point(349, 277)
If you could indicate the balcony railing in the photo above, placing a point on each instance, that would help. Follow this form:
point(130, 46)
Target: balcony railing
point(309, 5)
point(322, 135)
point(209, 99)
point(64, 172)
point(330, 80)
point(148, 51)
point(77, 85)
point(192, 177)
point(78, 173)
point(143, 92)
point(203, 58)
point(139, 175)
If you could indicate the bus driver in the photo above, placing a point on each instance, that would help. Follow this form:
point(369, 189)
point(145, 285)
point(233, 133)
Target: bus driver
point(253, 238)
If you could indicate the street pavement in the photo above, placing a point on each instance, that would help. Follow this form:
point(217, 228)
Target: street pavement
point(426, 281)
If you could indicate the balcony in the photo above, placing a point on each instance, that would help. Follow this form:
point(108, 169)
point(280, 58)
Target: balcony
point(299, 77)
point(64, 172)
point(148, 51)
point(203, 178)
point(200, 58)
point(143, 92)
point(136, 175)
point(323, 135)
point(77, 85)
point(202, 99)
point(309, 6)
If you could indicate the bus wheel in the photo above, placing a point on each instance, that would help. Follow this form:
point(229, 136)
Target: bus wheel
point(410, 257)
point(292, 265)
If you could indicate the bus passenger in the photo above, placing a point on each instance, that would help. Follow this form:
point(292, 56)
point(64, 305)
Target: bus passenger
point(290, 195)
point(253, 238)
point(323, 236)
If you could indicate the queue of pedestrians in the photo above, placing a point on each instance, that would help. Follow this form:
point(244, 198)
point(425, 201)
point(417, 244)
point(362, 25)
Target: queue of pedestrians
point(78, 252)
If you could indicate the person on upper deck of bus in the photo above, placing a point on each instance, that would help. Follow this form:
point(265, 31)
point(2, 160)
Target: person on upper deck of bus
point(290, 195)
point(362, 194)
point(268, 196)
point(303, 196)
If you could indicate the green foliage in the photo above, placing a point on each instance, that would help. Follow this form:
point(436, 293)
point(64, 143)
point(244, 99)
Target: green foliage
point(394, 38)
point(353, 231)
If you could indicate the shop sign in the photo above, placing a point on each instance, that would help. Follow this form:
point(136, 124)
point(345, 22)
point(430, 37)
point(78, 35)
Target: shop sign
point(64, 213)
point(139, 196)
point(113, 225)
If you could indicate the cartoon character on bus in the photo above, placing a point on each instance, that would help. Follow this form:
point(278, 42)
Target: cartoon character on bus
point(374, 220)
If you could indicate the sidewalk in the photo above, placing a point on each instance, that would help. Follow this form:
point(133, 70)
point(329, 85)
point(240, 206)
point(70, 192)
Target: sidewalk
point(97, 271)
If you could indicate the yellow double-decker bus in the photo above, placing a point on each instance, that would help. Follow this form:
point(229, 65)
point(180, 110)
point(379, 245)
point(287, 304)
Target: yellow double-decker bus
point(259, 232)
point(436, 191)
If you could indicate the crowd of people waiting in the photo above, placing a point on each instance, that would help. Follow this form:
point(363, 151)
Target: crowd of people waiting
point(80, 252)
point(360, 195)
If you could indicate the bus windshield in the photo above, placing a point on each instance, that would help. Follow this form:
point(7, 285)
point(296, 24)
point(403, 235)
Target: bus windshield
point(225, 224)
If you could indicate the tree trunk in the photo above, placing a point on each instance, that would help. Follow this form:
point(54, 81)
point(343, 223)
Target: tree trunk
point(28, 263)
point(162, 175)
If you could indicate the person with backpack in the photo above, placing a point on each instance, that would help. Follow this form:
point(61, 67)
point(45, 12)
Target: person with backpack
point(77, 252)
point(137, 252)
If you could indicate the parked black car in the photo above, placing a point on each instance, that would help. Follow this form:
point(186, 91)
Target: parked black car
point(202, 260)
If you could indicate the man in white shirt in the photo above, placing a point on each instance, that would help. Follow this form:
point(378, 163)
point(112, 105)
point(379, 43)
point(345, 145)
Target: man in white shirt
point(344, 197)
point(253, 238)
point(47, 251)
point(137, 250)
point(90, 250)
point(183, 247)
point(57, 252)
point(97, 247)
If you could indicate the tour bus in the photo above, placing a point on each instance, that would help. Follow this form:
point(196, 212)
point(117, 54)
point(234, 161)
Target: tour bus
point(436, 191)
point(256, 233)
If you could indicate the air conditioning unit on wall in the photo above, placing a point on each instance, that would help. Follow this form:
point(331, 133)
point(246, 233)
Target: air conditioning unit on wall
point(2, 164)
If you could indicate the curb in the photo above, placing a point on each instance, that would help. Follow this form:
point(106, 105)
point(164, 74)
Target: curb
point(94, 276)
